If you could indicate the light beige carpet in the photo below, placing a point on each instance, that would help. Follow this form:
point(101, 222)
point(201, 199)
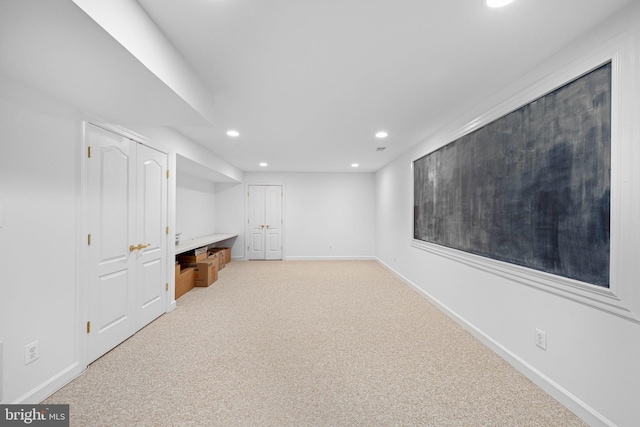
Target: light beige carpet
point(326, 343)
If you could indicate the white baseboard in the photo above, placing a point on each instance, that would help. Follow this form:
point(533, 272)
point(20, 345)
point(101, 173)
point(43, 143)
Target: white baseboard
point(53, 384)
point(330, 258)
point(563, 396)
point(172, 306)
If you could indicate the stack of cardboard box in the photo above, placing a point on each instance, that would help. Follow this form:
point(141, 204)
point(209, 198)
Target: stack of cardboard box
point(224, 256)
point(200, 269)
point(206, 267)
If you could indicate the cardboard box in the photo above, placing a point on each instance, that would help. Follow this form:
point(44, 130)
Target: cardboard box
point(219, 254)
point(213, 256)
point(206, 272)
point(227, 255)
point(185, 281)
point(191, 259)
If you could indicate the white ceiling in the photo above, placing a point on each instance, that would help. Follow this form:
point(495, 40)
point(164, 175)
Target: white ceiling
point(306, 83)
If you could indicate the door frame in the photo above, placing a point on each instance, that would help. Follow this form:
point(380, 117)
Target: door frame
point(82, 302)
point(247, 231)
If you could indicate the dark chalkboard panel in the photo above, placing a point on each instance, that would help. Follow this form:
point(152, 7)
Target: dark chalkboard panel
point(531, 188)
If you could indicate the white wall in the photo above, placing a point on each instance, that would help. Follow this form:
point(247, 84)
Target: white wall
point(39, 160)
point(230, 216)
point(591, 362)
point(195, 206)
point(321, 209)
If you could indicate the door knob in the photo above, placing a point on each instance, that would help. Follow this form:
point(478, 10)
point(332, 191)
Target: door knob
point(261, 225)
point(139, 247)
point(268, 226)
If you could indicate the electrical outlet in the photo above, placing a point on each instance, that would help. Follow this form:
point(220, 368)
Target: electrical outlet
point(31, 352)
point(330, 246)
point(541, 339)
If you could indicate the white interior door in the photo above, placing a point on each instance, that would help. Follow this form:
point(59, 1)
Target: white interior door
point(265, 222)
point(256, 234)
point(111, 220)
point(151, 220)
point(273, 222)
point(127, 217)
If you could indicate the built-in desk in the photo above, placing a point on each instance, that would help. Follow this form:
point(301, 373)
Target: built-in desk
point(198, 242)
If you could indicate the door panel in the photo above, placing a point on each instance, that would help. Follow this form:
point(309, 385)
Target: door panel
point(151, 229)
point(256, 243)
point(274, 244)
point(256, 205)
point(151, 197)
point(151, 276)
point(273, 219)
point(110, 187)
point(113, 290)
point(114, 192)
point(256, 247)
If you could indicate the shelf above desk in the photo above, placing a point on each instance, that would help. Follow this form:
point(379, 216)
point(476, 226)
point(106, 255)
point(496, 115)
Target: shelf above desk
point(199, 242)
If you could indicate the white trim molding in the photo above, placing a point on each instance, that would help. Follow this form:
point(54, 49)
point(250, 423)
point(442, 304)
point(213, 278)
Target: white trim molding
point(622, 298)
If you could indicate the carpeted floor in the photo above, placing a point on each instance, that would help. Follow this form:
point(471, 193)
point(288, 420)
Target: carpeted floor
point(306, 343)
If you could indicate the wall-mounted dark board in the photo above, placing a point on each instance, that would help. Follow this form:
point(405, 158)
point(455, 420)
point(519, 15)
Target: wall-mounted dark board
point(531, 188)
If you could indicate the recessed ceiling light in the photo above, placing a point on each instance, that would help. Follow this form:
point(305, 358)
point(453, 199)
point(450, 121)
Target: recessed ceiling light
point(354, 165)
point(233, 133)
point(381, 134)
point(263, 165)
point(498, 3)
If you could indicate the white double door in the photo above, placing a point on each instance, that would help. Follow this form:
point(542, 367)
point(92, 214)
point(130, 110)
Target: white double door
point(265, 222)
point(127, 246)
